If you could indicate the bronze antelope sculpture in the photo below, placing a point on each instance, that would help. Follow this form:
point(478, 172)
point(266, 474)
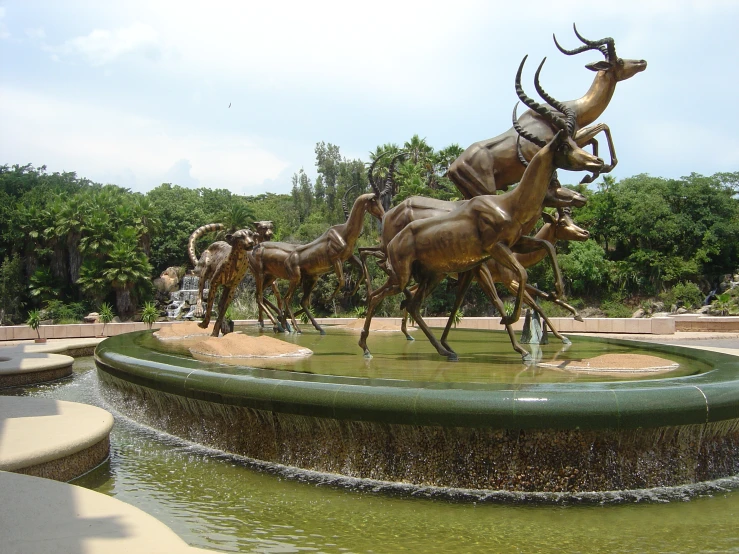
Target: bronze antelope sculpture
point(484, 227)
point(557, 227)
point(296, 263)
point(491, 165)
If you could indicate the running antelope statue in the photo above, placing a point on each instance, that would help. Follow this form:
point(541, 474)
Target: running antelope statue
point(492, 164)
point(484, 227)
point(305, 263)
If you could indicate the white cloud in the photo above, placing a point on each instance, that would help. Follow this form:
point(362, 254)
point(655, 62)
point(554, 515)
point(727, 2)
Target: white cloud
point(36, 33)
point(104, 46)
point(96, 142)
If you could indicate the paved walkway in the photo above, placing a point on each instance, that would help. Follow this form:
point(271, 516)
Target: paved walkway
point(42, 437)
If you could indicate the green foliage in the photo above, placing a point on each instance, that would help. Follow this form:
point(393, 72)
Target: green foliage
point(585, 268)
point(43, 285)
point(614, 308)
point(34, 321)
point(662, 231)
point(554, 310)
point(72, 240)
point(105, 314)
point(150, 314)
point(11, 289)
point(360, 312)
point(60, 312)
point(687, 295)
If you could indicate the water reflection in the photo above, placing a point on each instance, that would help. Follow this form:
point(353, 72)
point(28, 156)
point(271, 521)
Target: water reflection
point(484, 357)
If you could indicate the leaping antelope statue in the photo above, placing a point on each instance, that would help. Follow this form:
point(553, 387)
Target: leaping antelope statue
point(492, 164)
point(484, 227)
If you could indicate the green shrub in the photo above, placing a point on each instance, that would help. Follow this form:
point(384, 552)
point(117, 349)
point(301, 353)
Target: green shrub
point(105, 314)
point(554, 310)
point(34, 321)
point(150, 314)
point(725, 304)
point(685, 294)
point(59, 312)
point(616, 309)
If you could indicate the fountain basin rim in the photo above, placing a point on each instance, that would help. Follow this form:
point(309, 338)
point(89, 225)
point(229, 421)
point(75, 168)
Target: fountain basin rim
point(712, 396)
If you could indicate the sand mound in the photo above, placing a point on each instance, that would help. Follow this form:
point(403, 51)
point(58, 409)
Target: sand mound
point(184, 330)
point(392, 324)
point(236, 345)
point(616, 363)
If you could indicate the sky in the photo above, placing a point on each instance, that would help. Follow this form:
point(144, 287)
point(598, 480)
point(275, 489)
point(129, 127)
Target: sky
point(236, 95)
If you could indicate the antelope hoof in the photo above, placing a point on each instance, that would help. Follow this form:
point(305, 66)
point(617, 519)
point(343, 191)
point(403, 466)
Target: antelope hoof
point(408, 337)
point(527, 358)
point(567, 341)
point(367, 355)
point(452, 357)
point(507, 320)
point(322, 332)
point(578, 317)
point(203, 325)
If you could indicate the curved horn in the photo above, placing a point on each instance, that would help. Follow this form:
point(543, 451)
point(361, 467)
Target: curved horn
point(606, 45)
point(538, 108)
point(525, 134)
point(519, 152)
point(574, 50)
point(571, 119)
point(371, 176)
point(390, 180)
point(343, 201)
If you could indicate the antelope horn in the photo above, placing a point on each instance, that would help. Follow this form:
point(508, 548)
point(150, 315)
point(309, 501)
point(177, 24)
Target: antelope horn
point(371, 176)
point(521, 157)
point(343, 201)
point(525, 134)
point(390, 181)
point(538, 108)
point(606, 45)
point(574, 50)
point(569, 114)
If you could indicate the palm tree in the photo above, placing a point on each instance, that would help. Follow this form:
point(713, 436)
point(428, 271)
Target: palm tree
point(237, 216)
point(146, 220)
point(126, 268)
point(417, 149)
point(92, 281)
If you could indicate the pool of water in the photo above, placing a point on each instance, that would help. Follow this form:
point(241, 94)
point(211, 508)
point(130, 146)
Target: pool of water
point(484, 357)
point(227, 504)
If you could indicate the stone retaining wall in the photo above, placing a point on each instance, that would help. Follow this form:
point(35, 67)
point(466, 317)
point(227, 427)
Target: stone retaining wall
point(653, 326)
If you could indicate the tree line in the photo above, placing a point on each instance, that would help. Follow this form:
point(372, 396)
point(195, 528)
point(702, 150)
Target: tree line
point(67, 241)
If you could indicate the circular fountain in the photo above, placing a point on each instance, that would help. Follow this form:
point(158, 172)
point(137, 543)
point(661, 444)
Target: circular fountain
point(486, 422)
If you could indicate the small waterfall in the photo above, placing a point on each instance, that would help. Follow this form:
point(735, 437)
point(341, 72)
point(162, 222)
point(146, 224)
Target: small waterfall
point(185, 298)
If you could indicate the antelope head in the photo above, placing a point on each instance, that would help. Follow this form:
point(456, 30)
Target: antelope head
point(566, 153)
point(557, 196)
point(620, 68)
point(564, 227)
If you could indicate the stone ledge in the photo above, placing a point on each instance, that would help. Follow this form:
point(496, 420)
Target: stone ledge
point(40, 430)
point(44, 517)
